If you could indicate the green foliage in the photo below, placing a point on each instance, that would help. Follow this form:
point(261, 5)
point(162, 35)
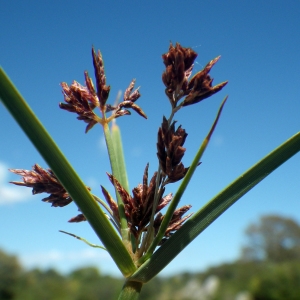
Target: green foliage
point(9, 275)
point(82, 284)
point(273, 238)
point(46, 285)
point(277, 282)
point(255, 280)
point(88, 284)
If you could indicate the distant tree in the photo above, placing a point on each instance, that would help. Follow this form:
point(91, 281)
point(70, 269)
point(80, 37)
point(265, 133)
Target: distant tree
point(284, 283)
point(43, 284)
point(10, 270)
point(91, 285)
point(273, 238)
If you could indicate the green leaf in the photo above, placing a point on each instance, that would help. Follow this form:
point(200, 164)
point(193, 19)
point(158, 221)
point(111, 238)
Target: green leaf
point(65, 173)
point(115, 159)
point(83, 240)
point(182, 187)
point(214, 208)
point(118, 147)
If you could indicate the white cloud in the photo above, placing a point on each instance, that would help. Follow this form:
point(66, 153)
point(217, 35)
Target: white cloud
point(52, 257)
point(65, 261)
point(9, 193)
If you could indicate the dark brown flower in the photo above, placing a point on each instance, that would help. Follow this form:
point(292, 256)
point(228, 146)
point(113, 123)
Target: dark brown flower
point(179, 64)
point(200, 86)
point(128, 102)
point(138, 208)
point(43, 181)
point(102, 88)
point(77, 219)
point(175, 223)
point(58, 200)
point(112, 203)
point(170, 151)
point(80, 100)
point(84, 99)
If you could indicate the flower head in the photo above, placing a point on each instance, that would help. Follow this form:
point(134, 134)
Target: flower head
point(175, 223)
point(43, 181)
point(84, 99)
point(200, 86)
point(79, 99)
point(170, 151)
point(179, 63)
point(102, 88)
point(138, 207)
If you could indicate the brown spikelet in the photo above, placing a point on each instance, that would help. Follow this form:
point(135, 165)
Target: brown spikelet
point(43, 181)
point(112, 204)
point(170, 151)
point(138, 207)
point(200, 86)
point(179, 64)
point(128, 102)
point(77, 219)
point(81, 101)
point(102, 88)
point(175, 223)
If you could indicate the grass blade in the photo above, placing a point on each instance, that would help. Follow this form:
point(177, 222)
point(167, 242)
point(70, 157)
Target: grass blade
point(118, 147)
point(65, 173)
point(113, 154)
point(182, 188)
point(214, 208)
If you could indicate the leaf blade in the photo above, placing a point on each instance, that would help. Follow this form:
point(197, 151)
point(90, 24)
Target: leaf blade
point(40, 138)
point(215, 207)
point(183, 186)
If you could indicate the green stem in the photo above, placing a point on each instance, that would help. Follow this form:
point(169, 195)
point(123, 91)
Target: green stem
point(116, 173)
point(118, 148)
point(131, 290)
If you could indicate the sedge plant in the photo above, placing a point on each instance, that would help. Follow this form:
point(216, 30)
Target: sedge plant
point(130, 225)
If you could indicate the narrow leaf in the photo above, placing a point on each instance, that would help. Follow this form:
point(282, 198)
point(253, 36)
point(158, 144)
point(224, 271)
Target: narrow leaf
point(65, 173)
point(182, 187)
point(112, 153)
point(213, 209)
point(82, 239)
point(118, 147)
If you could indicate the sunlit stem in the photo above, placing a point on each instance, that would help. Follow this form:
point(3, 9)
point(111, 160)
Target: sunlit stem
point(100, 201)
point(115, 171)
point(116, 224)
point(111, 215)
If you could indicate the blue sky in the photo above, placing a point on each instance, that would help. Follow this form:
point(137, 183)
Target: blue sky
point(45, 43)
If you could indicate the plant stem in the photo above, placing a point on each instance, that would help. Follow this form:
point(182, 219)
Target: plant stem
point(115, 171)
point(131, 290)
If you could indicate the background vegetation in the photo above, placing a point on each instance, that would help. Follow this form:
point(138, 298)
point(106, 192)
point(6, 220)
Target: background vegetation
point(269, 268)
